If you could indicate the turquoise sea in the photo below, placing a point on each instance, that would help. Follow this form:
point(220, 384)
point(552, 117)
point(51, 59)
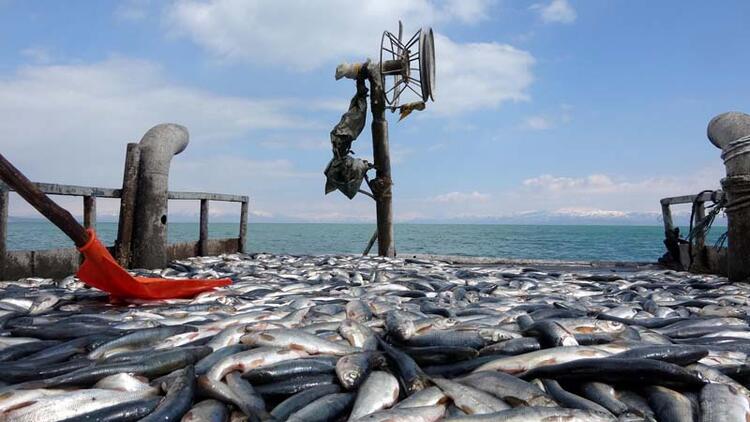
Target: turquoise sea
point(567, 242)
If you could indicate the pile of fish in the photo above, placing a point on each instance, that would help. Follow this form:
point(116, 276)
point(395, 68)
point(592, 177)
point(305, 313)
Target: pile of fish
point(347, 338)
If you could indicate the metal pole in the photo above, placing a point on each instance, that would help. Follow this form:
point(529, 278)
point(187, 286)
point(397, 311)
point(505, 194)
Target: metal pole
point(381, 185)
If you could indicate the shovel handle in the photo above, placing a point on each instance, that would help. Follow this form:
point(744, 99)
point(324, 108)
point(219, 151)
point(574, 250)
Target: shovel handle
point(54, 213)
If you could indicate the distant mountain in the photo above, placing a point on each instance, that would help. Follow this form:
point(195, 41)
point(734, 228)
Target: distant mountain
point(12, 219)
point(568, 216)
point(572, 217)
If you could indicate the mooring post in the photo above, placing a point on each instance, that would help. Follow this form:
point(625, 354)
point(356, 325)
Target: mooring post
point(157, 146)
point(203, 232)
point(382, 184)
point(241, 248)
point(128, 194)
point(731, 132)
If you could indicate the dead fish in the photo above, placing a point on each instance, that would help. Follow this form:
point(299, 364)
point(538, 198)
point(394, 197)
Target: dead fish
point(296, 340)
point(538, 414)
point(379, 391)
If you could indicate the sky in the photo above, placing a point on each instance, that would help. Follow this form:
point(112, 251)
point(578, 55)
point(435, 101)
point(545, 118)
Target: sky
point(565, 107)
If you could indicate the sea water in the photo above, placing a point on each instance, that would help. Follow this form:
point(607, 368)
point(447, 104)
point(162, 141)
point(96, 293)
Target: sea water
point(565, 242)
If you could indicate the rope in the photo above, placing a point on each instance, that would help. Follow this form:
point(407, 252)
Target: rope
point(736, 148)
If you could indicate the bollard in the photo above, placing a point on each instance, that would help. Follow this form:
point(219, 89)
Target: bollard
point(731, 132)
point(157, 147)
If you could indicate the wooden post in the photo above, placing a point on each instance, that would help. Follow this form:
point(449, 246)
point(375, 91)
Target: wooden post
point(381, 186)
point(3, 228)
point(203, 235)
point(241, 247)
point(127, 205)
point(89, 212)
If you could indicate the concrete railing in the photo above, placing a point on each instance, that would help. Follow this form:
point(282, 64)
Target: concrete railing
point(61, 262)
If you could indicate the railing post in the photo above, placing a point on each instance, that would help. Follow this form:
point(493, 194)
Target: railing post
point(127, 204)
point(666, 216)
point(203, 234)
point(241, 247)
point(89, 212)
point(3, 228)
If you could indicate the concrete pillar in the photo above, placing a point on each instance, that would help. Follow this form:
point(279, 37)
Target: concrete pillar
point(731, 132)
point(157, 147)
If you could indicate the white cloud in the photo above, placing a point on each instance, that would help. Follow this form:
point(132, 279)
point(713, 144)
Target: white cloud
point(219, 173)
point(550, 120)
point(592, 196)
point(537, 123)
point(468, 11)
point(303, 143)
point(595, 183)
point(470, 76)
point(39, 55)
point(70, 123)
point(461, 197)
point(601, 191)
point(557, 11)
point(308, 34)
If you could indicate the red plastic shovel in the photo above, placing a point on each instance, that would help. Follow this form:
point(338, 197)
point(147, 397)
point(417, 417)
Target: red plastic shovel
point(99, 268)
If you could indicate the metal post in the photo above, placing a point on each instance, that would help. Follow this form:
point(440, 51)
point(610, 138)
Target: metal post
point(382, 184)
point(3, 228)
point(203, 234)
point(127, 204)
point(731, 133)
point(241, 247)
point(89, 212)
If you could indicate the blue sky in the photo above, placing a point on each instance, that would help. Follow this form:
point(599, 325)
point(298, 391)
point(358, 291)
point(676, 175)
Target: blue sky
point(568, 107)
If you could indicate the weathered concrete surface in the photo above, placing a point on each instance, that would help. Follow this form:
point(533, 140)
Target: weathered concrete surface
point(158, 146)
point(723, 131)
point(49, 263)
point(60, 263)
point(184, 250)
point(726, 127)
